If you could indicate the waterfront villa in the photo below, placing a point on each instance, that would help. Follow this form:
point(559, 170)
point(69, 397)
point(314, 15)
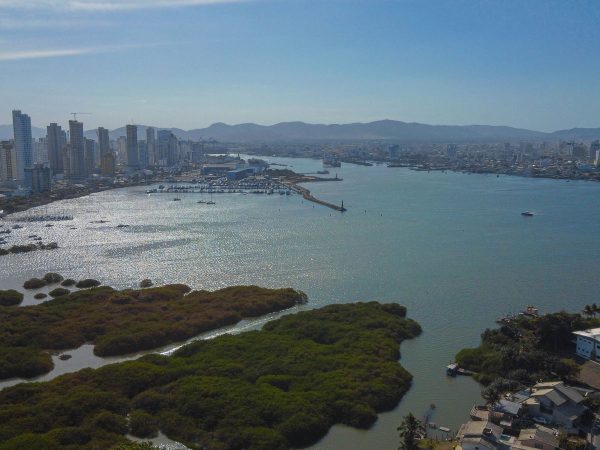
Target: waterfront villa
point(507, 425)
point(479, 435)
point(588, 343)
point(555, 402)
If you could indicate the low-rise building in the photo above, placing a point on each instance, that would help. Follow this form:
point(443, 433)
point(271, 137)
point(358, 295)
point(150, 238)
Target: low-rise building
point(556, 403)
point(479, 435)
point(588, 343)
point(539, 437)
point(37, 178)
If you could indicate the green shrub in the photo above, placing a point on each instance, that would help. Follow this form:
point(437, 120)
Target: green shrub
point(58, 292)
point(142, 424)
point(40, 296)
point(34, 283)
point(51, 278)
point(87, 283)
point(145, 283)
point(10, 297)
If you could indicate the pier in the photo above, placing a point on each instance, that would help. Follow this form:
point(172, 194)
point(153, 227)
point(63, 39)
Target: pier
point(308, 196)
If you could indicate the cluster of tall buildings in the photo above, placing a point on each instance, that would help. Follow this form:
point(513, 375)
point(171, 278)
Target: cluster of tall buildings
point(68, 154)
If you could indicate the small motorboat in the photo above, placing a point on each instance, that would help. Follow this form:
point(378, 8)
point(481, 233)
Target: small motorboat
point(527, 214)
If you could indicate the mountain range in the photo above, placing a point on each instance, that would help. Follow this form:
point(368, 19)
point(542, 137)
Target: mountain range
point(390, 130)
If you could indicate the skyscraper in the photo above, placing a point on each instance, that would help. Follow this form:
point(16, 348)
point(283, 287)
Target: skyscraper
point(164, 137)
point(23, 143)
point(143, 154)
point(77, 150)
point(173, 154)
point(56, 140)
point(133, 161)
point(8, 161)
point(151, 146)
point(89, 156)
point(103, 141)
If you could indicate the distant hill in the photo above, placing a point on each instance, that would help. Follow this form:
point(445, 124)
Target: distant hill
point(578, 133)
point(391, 130)
point(6, 132)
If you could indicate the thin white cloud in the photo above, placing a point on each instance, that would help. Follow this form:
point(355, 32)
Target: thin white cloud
point(34, 54)
point(55, 53)
point(107, 5)
point(29, 23)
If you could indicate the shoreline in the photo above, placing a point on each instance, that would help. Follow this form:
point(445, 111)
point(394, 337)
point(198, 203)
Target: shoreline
point(22, 204)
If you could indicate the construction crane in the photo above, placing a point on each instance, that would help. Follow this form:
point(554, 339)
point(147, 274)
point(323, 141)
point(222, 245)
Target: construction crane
point(74, 114)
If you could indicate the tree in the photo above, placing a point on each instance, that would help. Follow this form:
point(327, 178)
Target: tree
point(411, 429)
point(491, 395)
point(589, 310)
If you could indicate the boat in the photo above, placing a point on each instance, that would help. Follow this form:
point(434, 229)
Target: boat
point(527, 213)
point(452, 369)
point(17, 226)
point(176, 199)
point(210, 203)
point(444, 429)
point(200, 201)
point(530, 311)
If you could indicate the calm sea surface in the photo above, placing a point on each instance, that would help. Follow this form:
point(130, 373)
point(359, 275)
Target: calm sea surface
point(452, 247)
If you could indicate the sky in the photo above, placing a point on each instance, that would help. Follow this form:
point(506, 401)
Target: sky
point(190, 63)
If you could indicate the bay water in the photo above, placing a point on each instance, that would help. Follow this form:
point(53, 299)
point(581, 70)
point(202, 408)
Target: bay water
point(452, 247)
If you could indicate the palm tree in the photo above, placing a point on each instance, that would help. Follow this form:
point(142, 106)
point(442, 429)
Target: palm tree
point(588, 310)
point(411, 429)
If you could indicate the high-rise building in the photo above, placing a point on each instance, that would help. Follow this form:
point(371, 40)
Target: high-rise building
point(56, 140)
point(38, 178)
point(173, 154)
point(23, 143)
point(151, 146)
point(594, 147)
point(122, 150)
point(143, 154)
point(8, 161)
point(89, 156)
point(393, 151)
point(164, 137)
point(133, 161)
point(77, 150)
point(40, 151)
point(103, 141)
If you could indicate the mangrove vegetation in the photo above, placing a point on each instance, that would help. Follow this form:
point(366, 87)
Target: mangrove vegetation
point(121, 322)
point(281, 387)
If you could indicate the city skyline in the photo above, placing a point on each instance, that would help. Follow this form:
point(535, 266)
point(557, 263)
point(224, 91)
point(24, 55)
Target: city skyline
point(191, 63)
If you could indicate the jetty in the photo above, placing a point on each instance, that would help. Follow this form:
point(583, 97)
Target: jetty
point(306, 195)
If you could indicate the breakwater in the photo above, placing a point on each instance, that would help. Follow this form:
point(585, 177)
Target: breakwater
point(305, 193)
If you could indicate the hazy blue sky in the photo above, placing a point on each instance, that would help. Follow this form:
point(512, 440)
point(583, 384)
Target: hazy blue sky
point(189, 63)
